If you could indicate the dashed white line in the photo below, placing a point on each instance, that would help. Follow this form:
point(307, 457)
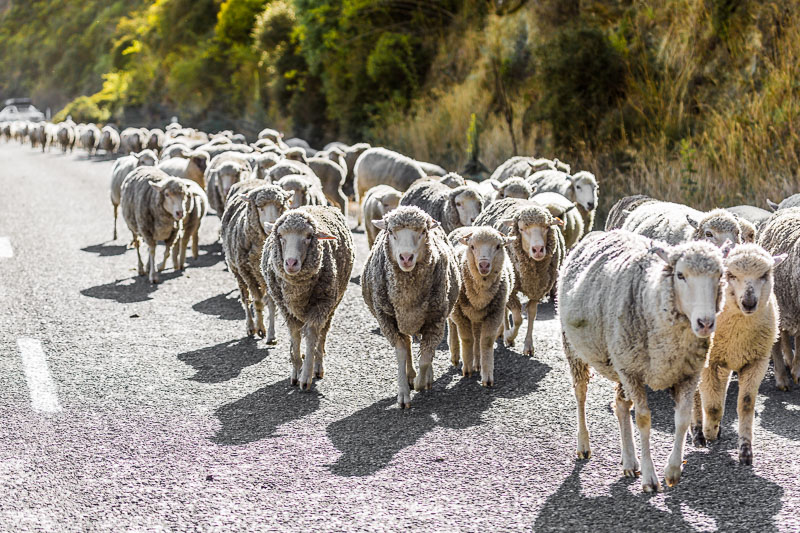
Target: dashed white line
point(40, 382)
point(6, 250)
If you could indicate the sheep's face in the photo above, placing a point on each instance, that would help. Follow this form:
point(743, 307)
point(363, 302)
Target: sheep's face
point(227, 177)
point(468, 205)
point(389, 202)
point(716, 230)
point(534, 236)
point(298, 195)
point(174, 197)
point(748, 231)
point(485, 250)
point(295, 243)
point(585, 190)
point(406, 244)
point(749, 277)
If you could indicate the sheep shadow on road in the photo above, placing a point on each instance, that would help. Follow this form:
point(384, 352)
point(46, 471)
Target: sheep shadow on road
point(259, 414)
point(222, 306)
point(370, 438)
point(128, 290)
point(781, 414)
point(224, 361)
point(105, 249)
point(714, 487)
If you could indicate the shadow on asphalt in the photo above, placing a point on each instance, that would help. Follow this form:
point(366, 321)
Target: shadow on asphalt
point(258, 415)
point(370, 438)
point(225, 306)
point(713, 485)
point(105, 250)
point(128, 290)
point(224, 361)
point(781, 414)
point(213, 255)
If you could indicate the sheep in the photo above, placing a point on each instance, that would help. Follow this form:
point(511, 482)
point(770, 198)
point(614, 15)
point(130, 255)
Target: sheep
point(379, 166)
point(304, 191)
point(487, 278)
point(332, 177)
point(153, 206)
point(122, 167)
point(273, 135)
point(791, 201)
point(566, 211)
point(222, 174)
point(253, 206)
point(131, 140)
point(746, 330)
point(754, 215)
point(453, 180)
point(641, 313)
point(622, 208)
point(431, 169)
point(307, 262)
point(781, 235)
point(66, 137)
point(580, 188)
point(261, 163)
point(677, 223)
point(174, 150)
point(109, 140)
point(515, 187)
point(749, 231)
point(214, 150)
point(537, 254)
point(190, 165)
point(196, 210)
point(378, 201)
point(296, 142)
point(289, 168)
point(452, 208)
point(410, 284)
point(522, 166)
point(155, 140)
point(89, 138)
point(487, 188)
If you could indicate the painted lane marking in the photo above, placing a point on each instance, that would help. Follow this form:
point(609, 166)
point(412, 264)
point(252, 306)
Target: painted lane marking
point(5, 248)
point(40, 382)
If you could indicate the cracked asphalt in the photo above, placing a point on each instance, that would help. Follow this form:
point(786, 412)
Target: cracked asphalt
point(172, 419)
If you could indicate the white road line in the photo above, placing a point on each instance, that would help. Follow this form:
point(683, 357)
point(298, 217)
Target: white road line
point(40, 383)
point(5, 248)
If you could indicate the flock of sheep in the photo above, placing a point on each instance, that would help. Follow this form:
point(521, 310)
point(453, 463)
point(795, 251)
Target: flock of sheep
point(667, 297)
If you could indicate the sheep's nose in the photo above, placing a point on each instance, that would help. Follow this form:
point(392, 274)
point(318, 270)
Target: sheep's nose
point(291, 264)
point(484, 266)
point(537, 251)
point(179, 214)
point(406, 258)
point(590, 206)
point(749, 303)
point(705, 324)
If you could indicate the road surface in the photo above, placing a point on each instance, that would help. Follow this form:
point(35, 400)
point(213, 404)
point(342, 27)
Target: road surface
point(127, 406)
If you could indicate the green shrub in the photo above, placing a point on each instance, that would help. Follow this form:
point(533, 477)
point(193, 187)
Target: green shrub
point(82, 109)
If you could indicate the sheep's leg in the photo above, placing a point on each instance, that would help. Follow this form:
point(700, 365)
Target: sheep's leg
point(511, 330)
point(295, 328)
point(487, 337)
point(244, 297)
point(116, 210)
point(403, 353)
point(532, 308)
point(151, 262)
point(182, 258)
point(256, 291)
point(750, 378)
point(580, 382)
point(319, 361)
point(622, 408)
point(196, 243)
point(475, 329)
point(792, 358)
point(453, 342)
point(467, 350)
point(781, 376)
point(697, 420)
point(684, 398)
point(176, 252)
point(311, 333)
point(713, 388)
point(271, 339)
point(427, 347)
point(638, 394)
point(139, 263)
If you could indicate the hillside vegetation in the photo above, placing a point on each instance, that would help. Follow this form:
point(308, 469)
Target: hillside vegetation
point(690, 100)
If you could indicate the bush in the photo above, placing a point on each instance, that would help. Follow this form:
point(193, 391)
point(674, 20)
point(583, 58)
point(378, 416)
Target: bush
point(82, 109)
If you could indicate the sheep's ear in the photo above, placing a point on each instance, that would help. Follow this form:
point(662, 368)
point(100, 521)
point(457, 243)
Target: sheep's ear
point(433, 224)
point(508, 222)
point(268, 227)
point(772, 205)
point(287, 195)
point(692, 222)
point(158, 186)
point(558, 222)
point(465, 239)
point(379, 223)
point(726, 248)
point(661, 253)
point(322, 236)
point(509, 241)
point(137, 155)
point(778, 259)
point(496, 186)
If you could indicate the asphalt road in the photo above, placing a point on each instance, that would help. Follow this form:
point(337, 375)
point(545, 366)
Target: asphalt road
point(162, 415)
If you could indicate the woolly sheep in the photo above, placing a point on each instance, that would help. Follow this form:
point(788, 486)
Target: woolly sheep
point(307, 262)
point(289, 168)
point(195, 211)
point(379, 166)
point(174, 150)
point(487, 278)
point(155, 140)
point(781, 235)
point(253, 206)
point(351, 155)
point(332, 177)
point(304, 191)
point(273, 135)
point(221, 148)
point(522, 167)
point(89, 138)
point(295, 142)
point(536, 253)
point(452, 208)
point(431, 169)
point(122, 167)
point(622, 208)
point(222, 173)
point(746, 330)
point(754, 215)
point(567, 212)
point(580, 188)
point(677, 223)
point(791, 201)
point(131, 140)
point(378, 201)
point(190, 165)
point(66, 137)
point(512, 188)
point(153, 206)
point(410, 284)
point(453, 180)
point(641, 313)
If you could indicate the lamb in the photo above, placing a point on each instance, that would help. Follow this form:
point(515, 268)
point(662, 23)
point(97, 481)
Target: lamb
point(122, 167)
point(781, 235)
point(477, 318)
point(307, 262)
point(304, 191)
point(431, 169)
point(66, 136)
point(452, 208)
point(622, 208)
point(791, 201)
point(566, 211)
point(253, 206)
point(677, 223)
point(747, 329)
point(580, 188)
point(196, 210)
point(641, 313)
point(379, 200)
point(190, 166)
point(379, 166)
point(332, 177)
point(453, 180)
point(410, 284)
point(522, 167)
point(749, 231)
point(153, 206)
point(222, 174)
point(537, 254)
point(513, 188)
point(131, 140)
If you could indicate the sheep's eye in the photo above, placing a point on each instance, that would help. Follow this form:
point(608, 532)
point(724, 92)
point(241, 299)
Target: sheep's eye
point(497, 247)
point(577, 187)
point(471, 247)
point(709, 234)
point(765, 276)
point(458, 204)
point(731, 277)
point(681, 276)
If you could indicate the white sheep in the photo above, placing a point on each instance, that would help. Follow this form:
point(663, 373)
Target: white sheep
point(452, 208)
point(677, 223)
point(122, 167)
point(378, 201)
point(560, 207)
point(524, 166)
point(641, 313)
point(190, 165)
point(580, 188)
point(195, 211)
point(379, 166)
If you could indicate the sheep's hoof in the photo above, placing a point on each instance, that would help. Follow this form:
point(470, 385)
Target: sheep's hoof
point(651, 486)
point(631, 473)
point(454, 361)
point(319, 374)
point(293, 382)
point(745, 454)
point(781, 383)
point(796, 378)
point(465, 373)
point(305, 386)
point(584, 454)
point(272, 341)
point(487, 383)
point(698, 439)
point(672, 474)
point(404, 400)
point(261, 333)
